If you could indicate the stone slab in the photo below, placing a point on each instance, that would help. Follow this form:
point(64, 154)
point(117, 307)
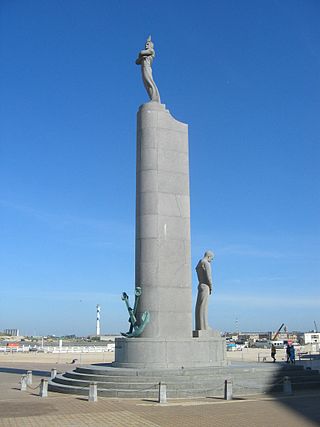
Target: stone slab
point(154, 353)
point(205, 333)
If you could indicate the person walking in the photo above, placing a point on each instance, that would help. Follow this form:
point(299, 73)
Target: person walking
point(292, 354)
point(273, 352)
point(288, 353)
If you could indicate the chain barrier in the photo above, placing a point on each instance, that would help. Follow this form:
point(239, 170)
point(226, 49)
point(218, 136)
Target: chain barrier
point(28, 386)
point(86, 387)
point(248, 387)
point(154, 387)
point(278, 382)
point(259, 388)
point(210, 390)
point(33, 388)
point(150, 388)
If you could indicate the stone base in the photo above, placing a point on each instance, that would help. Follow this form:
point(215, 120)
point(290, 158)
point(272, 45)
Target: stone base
point(210, 333)
point(247, 378)
point(154, 353)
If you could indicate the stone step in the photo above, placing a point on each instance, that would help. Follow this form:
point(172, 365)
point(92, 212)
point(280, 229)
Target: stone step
point(152, 392)
point(171, 385)
point(102, 369)
point(190, 374)
point(155, 379)
point(124, 382)
point(127, 372)
point(278, 388)
point(304, 375)
point(203, 384)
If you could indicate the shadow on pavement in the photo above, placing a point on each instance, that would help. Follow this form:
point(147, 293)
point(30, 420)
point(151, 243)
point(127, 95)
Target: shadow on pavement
point(106, 365)
point(298, 389)
point(82, 398)
point(24, 371)
point(222, 398)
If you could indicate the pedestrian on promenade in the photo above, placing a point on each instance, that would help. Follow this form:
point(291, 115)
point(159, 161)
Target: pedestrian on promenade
point(288, 353)
point(292, 354)
point(273, 352)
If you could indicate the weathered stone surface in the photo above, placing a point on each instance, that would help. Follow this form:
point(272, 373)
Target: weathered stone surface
point(163, 252)
point(170, 353)
point(163, 268)
point(247, 378)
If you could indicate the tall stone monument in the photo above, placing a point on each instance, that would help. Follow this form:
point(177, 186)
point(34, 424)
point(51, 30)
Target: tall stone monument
point(160, 345)
point(163, 258)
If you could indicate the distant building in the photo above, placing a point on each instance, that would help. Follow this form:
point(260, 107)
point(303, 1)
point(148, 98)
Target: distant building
point(311, 337)
point(105, 337)
point(250, 337)
point(12, 332)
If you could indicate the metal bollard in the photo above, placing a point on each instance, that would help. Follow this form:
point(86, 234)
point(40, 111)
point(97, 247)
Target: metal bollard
point(29, 377)
point(53, 373)
point(93, 392)
point(43, 388)
point(228, 390)
point(162, 393)
point(287, 386)
point(23, 383)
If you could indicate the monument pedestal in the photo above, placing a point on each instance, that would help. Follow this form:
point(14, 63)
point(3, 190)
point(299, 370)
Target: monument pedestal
point(151, 353)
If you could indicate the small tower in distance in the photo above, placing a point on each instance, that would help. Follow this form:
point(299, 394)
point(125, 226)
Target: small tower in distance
point(98, 321)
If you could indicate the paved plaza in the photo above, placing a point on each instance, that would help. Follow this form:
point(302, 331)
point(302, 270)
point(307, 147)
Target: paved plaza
point(19, 408)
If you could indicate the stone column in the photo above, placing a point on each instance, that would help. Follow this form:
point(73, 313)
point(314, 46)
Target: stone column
point(163, 265)
point(163, 261)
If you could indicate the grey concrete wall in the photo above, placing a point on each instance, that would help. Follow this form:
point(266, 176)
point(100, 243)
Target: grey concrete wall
point(163, 262)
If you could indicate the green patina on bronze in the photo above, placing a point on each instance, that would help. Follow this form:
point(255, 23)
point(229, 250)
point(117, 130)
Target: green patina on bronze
point(135, 329)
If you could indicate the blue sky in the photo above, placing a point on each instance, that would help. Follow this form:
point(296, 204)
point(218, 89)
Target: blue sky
point(244, 75)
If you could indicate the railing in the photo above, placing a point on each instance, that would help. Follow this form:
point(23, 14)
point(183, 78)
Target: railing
point(59, 349)
point(309, 356)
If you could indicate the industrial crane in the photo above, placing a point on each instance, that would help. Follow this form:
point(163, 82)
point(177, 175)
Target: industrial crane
point(278, 332)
